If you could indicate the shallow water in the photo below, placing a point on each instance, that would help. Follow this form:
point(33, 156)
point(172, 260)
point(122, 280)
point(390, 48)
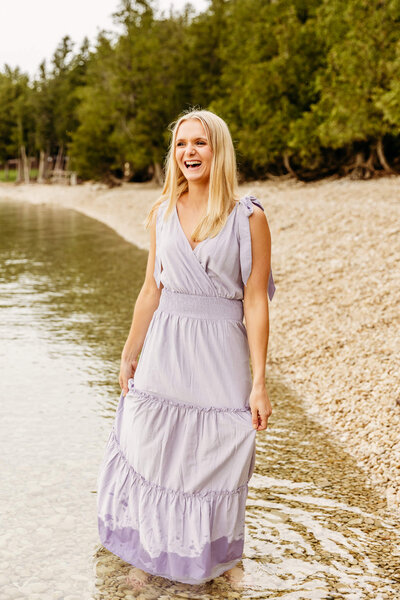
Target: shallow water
point(315, 528)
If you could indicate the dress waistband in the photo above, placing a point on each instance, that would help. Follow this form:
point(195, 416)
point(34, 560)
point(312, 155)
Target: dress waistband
point(201, 307)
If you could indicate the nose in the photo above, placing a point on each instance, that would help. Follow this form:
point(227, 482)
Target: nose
point(190, 149)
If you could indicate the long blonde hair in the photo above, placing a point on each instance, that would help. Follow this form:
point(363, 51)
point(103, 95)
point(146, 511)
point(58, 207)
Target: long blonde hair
point(223, 185)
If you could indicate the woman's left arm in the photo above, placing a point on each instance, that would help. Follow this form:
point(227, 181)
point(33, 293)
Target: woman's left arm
point(256, 314)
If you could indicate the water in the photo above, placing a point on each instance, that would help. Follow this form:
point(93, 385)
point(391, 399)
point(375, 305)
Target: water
point(314, 527)
point(67, 290)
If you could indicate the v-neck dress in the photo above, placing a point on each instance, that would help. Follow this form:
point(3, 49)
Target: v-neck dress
point(173, 483)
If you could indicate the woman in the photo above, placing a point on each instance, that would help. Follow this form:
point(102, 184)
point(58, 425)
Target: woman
point(173, 484)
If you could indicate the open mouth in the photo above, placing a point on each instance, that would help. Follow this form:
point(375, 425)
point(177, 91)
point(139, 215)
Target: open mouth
point(192, 164)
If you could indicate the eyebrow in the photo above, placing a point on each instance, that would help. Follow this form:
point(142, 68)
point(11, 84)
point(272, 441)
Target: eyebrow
point(197, 138)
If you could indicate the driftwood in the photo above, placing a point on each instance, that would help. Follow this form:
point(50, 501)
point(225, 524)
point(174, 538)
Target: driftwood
point(112, 181)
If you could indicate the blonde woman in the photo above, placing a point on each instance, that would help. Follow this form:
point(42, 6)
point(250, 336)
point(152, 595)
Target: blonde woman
point(173, 485)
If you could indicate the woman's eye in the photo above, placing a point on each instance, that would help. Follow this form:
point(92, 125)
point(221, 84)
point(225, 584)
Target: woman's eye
point(199, 142)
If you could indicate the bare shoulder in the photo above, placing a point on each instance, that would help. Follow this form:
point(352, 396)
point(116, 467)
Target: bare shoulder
point(258, 214)
point(258, 223)
point(258, 219)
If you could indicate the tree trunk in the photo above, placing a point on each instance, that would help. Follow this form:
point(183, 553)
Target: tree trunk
point(382, 158)
point(288, 166)
point(42, 167)
point(362, 169)
point(19, 171)
point(25, 166)
point(158, 174)
point(369, 168)
point(58, 165)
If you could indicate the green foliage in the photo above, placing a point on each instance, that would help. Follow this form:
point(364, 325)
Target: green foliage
point(269, 70)
point(134, 89)
point(56, 96)
point(303, 84)
point(356, 74)
point(389, 99)
point(16, 119)
point(92, 152)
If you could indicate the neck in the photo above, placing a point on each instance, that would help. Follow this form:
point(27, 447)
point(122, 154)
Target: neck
point(197, 193)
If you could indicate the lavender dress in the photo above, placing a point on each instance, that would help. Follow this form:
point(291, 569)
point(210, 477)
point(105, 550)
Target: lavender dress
point(173, 483)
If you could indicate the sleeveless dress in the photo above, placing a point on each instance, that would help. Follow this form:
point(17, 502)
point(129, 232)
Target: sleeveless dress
point(173, 483)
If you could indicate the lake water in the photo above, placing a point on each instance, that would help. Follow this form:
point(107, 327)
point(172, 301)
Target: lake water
point(314, 528)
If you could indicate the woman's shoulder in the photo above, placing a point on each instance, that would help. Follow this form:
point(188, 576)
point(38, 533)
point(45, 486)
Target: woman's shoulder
point(249, 204)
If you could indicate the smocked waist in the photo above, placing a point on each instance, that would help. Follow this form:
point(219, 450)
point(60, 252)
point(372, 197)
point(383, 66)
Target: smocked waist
point(202, 307)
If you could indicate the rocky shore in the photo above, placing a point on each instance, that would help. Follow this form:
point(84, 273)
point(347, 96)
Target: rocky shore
point(334, 335)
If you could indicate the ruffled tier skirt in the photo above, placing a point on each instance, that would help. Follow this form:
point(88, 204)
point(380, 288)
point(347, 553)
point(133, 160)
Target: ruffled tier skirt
point(173, 483)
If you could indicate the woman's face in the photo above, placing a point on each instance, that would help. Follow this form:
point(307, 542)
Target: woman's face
point(192, 147)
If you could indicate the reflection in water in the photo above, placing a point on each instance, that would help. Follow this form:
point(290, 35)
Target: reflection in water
point(75, 276)
point(67, 289)
point(315, 528)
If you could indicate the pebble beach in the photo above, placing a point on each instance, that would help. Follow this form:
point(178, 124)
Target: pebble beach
point(334, 331)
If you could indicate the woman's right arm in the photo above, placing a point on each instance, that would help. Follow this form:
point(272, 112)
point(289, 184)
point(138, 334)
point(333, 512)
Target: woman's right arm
point(145, 305)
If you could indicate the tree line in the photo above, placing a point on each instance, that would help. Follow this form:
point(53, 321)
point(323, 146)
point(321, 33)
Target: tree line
point(308, 88)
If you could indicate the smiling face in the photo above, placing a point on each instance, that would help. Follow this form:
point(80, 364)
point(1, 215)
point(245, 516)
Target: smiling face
point(192, 151)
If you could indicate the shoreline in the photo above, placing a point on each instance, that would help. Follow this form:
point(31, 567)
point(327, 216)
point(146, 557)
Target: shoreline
point(335, 259)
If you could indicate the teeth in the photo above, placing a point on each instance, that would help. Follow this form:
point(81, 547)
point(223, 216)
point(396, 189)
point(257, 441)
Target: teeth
point(189, 163)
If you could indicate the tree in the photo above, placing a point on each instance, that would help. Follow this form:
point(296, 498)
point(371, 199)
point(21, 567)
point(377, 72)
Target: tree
point(134, 89)
point(355, 87)
point(269, 64)
point(16, 118)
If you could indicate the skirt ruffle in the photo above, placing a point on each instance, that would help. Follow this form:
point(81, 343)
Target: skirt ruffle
point(169, 499)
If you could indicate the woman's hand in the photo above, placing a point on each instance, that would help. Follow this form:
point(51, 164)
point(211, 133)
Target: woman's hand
point(260, 406)
point(127, 371)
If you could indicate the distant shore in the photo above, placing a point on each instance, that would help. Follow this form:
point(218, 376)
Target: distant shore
point(334, 318)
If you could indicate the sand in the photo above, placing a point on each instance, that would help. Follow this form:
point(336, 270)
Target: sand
point(334, 333)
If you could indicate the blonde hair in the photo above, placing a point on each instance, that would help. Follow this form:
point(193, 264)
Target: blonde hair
point(223, 186)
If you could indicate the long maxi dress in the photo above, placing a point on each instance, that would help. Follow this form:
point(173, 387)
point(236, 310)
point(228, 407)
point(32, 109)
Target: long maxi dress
point(173, 483)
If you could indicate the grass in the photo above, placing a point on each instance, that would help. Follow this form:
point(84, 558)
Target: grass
point(12, 174)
